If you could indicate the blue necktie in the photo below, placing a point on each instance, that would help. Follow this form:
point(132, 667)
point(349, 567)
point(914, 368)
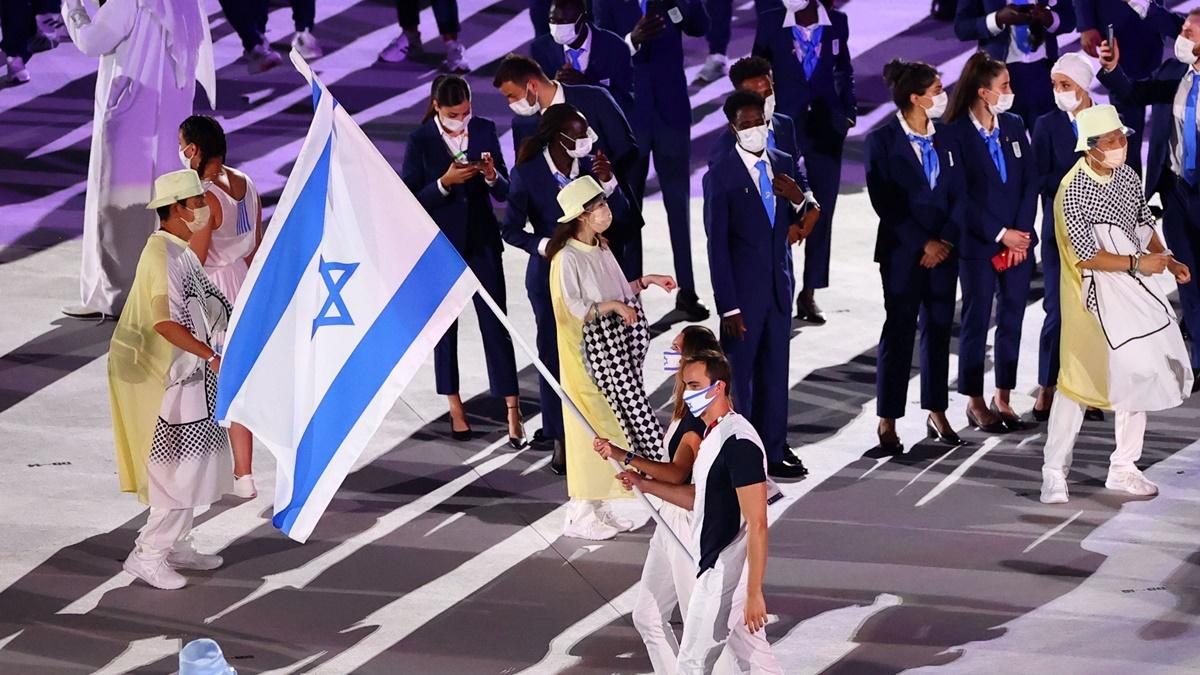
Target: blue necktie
point(771, 138)
point(765, 190)
point(562, 180)
point(573, 54)
point(1075, 128)
point(1021, 33)
point(807, 49)
point(642, 4)
point(993, 146)
point(929, 158)
point(1189, 133)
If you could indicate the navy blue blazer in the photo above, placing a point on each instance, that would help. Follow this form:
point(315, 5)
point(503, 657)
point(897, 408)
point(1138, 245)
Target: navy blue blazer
point(1141, 40)
point(659, 83)
point(609, 65)
point(465, 215)
point(991, 204)
point(603, 116)
point(824, 106)
point(910, 213)
point(1157, 91)
point(970, 23)
point(533, 199)
point(785, 142)
point(1054, 151)
point(750, 261)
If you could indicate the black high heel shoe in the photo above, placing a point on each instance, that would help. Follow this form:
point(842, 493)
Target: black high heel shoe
point(1010, 422)
point(1041, 415)
point(518, 442)
point(890, 445)
point(460, 436)
point(949, 437)
point(997, 427)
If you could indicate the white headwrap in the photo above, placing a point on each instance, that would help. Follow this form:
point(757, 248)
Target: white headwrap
point(1075, 66)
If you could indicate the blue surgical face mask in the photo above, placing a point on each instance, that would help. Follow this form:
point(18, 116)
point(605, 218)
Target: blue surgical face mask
point(671, 361)
point(698, 401)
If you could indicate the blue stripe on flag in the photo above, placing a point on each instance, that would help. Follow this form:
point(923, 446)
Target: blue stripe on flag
point(294, 248)
point(370, 364)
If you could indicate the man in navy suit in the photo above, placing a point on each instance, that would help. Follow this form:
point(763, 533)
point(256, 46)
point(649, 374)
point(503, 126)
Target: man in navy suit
point(529, 92)
point(1173, 163)
point(1139, 25)
point(1024, 35)
point(814, 83)
point(752, 215)
point(579, 53)
point(662, 118)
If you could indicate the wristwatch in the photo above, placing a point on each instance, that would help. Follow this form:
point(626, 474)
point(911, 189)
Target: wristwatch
point(212, 358)
point(628, 457)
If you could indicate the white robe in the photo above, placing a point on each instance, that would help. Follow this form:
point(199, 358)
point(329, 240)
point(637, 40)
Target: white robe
point(151, 54)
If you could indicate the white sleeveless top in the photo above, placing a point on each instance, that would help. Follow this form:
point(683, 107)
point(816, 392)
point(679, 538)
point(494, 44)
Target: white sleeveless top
point(234, 240)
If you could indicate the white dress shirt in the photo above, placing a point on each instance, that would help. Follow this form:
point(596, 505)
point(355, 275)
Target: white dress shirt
point(1139, 6)
point(807, 31)
point(909, 132)
point(1180, 109)
point(979, 127)
point(608, 186)
point(1015, 55)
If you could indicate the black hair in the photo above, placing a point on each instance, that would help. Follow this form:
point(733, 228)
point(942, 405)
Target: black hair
point(978, 73)
point(517, 69)
point(580, 4)
point(748, 68)
point(447, 90)
point(164, 211)
point(566, 231)
point(554, 121)
point(207, 135)
point(741, 99)
point(906, 78)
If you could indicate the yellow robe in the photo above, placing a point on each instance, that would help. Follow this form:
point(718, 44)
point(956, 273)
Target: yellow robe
point(1083, 351)
point(588, 476)
point(138, 362)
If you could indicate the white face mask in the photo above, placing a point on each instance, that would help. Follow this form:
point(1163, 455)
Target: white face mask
point(796, 5)
point(769, 107)
point(1067, 101)
point(199, 219)
point(1003, 104)
point(754, 139)
point(583, 146)
point(187, 163)
point(1185, 50)
point(1113, 159)
point(939, 106)
point(600, 218)
point(563, 33)
point(524, 108)
point(671, 359)
point(455, 126)
point(698, 401)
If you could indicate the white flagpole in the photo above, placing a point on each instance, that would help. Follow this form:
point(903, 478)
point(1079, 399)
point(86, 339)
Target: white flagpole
point(541, 367)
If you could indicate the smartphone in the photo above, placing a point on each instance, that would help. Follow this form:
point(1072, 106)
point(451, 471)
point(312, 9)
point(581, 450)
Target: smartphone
point(1111, 36)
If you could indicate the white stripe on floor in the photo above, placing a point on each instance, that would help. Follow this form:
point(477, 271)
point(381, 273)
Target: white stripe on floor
point(960, 470)
point(1052, 531)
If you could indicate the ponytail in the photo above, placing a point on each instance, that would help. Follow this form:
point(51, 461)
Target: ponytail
point(209, 138)
point(554, 121)
point(906, 78)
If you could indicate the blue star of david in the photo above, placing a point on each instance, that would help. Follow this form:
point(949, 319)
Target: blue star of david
point(334, 301)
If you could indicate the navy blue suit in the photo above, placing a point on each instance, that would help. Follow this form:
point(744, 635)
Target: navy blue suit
point(1030, 81)
point(910, 215)
point(993, 205)
point(468, 221)
point(783, 131)
point(720, 19)
point(751, 266)
point(662, 118)
point(824, 108)
point(1181, 202)
point(609, 64)
point(1141, 43)
point(533, 199)
point(617, 142)
point(1054, 150)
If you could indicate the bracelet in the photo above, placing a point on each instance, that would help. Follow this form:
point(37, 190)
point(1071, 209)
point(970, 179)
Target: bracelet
point(1133, 264)
point(628, 457)
point(212, 358)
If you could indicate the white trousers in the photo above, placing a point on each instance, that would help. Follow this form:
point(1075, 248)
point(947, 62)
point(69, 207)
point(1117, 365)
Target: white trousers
point(163, 531)
point(1066, 417)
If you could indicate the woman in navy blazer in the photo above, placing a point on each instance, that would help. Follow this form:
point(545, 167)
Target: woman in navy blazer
point(454, 166)
point(557, 153)
point(915, 182)
point(994, 246)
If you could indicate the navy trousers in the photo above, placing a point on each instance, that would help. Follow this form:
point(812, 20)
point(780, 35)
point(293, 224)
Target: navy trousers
point(539, 15)
point(824, 166)
point(497, 343)
point(1052, 325)
point(760, 374)
point(249, 18)
point(720, 16)
point(17, 26)
point(408, 12)
point(915, 297)
point(547, 348)
point(672, 158)
point(1033, 95)
point(1181, 227)
point(981, 285)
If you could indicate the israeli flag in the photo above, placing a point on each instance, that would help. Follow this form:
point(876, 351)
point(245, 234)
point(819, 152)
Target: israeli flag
point(351, 289)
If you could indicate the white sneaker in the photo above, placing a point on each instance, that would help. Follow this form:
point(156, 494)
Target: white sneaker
point(154, 571)
point(17, 73)
point(403, 47)
point(53, 27)
point(243, 487)
point(304, 44)
point(1130, 480)
point(262, 58)
point(715, 67)
point(585, 524)
point(456, 58)
point(184, 557)
point(1054, 487)
point(605, 513)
